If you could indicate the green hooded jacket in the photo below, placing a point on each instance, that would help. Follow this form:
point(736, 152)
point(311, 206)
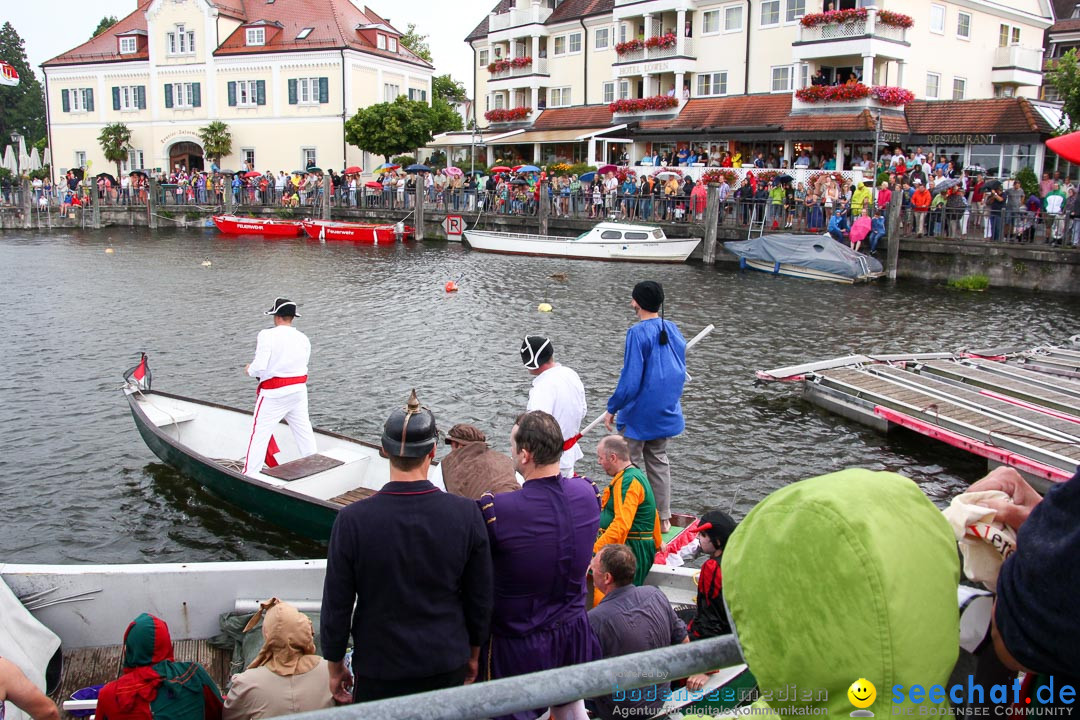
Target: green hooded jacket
point(840, 577)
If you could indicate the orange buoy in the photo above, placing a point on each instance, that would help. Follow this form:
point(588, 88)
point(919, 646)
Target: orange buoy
point(451, 286)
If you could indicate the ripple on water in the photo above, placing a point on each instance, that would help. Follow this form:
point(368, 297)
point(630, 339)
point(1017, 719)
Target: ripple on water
point(79, 485)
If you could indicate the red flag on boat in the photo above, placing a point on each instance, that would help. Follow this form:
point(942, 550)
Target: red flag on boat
point(140, 375)
point(272, 449)
point(9, 76)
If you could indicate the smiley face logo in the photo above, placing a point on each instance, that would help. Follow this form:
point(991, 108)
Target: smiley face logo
point(862, 694)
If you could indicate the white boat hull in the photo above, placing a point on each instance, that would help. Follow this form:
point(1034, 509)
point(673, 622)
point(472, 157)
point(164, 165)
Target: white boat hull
point(651, 250)
point(806, 273)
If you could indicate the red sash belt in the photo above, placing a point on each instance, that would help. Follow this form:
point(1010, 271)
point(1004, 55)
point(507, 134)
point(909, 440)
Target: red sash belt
point(280, 382)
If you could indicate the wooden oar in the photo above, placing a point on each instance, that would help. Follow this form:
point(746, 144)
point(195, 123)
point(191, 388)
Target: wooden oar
point(571, 442)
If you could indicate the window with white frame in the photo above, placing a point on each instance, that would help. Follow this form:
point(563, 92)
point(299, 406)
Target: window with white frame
point(933, 85)
point(733, 18)
point(391, 44)
point(602, 38)
point(380, 41)
point(959, 88)
point(304, 33)
point(710, 22)
point(794, 9)
point(609, 92)
point(180, 41)
point(249, 156)
point(482, 58)
point(1008, 35)
point(82, 100)
point(560, 45)
point(184, 95)
point(256, 36)
point(710, 84)
point(622, 32)
point(575, 42)
point(307, 91)
point(418, 94)
point(770, 12)
point(80, 158)
point(246, 93)
point(129, 97)
point(133, 161)
point(128, 45)
point(307, 156)
point(937, 19)
point(781, 78)
point(963, 25)
point(499, 101)
point(559, 97)
point(624, 89)
point(390, 92)
point(804, 75)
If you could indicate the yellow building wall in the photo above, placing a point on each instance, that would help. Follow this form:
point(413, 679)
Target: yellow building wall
point(191, 15)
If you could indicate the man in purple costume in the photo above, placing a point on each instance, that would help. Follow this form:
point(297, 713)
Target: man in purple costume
point(541, 544)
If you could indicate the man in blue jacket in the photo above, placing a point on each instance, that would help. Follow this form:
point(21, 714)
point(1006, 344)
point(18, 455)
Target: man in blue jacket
point(646, 400)
point(838, 226)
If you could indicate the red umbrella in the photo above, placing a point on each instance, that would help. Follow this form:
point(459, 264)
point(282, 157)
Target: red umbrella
point(605, 169)
point(499, 168)
point(1066, 146)
point(253, 174)
point(373, 185)
point(354, 170)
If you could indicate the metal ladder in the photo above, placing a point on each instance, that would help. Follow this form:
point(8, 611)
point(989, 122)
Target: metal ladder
point(755, 225)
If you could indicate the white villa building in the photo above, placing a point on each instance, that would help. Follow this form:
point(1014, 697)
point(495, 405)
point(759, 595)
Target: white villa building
point(284, 75)
point(739, 76)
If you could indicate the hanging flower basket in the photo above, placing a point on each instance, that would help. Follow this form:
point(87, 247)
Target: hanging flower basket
point(633, 105)
point(888, 95)
point(668, 40)
point(501, 65)
point(629, 46)
point(834, 17)
point(507, 114)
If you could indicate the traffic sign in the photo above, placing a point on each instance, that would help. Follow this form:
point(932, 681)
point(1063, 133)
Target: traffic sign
point(454, 225)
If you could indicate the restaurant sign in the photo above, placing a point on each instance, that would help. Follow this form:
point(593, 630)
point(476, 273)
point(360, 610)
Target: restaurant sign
point(961, 139)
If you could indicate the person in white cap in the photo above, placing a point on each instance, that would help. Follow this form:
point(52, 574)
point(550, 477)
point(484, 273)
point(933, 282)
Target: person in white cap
point(281, 365)
point(557, 390)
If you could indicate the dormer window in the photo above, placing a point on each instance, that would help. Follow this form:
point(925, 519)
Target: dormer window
point(256, 36)
point(391, 44)
point(380, 41)
point(128, 45)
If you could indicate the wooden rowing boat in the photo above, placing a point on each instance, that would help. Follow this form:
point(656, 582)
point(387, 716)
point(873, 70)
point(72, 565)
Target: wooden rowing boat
point(605, 241)
point(368, 233)
point(207, 443)
point(236, 225)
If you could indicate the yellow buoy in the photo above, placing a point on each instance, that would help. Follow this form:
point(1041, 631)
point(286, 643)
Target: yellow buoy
point(206, 263)
point(544, 307)
point(108, 251)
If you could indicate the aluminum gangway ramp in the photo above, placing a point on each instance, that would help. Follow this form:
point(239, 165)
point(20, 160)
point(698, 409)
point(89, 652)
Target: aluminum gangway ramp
point(1040, 441)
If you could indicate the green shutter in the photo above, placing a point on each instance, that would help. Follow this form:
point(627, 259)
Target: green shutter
point(168, 95)
point(196, 95)
point(90, 99)
point(115, 98)
point(292, 92)
point(324, 90)
point(140, 97)
point(65, 101)
point(232, 94)
point(260, 92)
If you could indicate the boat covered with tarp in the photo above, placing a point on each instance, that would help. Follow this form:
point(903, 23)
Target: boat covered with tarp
point(815, 257)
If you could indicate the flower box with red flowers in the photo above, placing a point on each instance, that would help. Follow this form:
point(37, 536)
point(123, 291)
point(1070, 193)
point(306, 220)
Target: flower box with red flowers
point(500, 65)
point(894, 19)
point(888, 95)
point(718, 176)
point(635, 105)
point(629, 46)
point(507, 114)
point(668, 40)
point(832, 93)
point(834, 17)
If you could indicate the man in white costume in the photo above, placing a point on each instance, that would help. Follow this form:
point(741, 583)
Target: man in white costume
point(557, 390)
point(281, 365)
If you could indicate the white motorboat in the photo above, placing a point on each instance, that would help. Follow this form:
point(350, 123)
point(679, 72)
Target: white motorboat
point(811, 257)
point(605, 241)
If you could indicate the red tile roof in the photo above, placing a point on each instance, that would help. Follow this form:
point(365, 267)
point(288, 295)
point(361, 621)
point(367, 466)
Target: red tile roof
point(1066, 25)
point(995, 115)
point(334, 25)
point(765, 111)
point(583, 116)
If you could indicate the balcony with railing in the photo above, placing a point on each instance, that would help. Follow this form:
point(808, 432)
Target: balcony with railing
point(862, 31)
point(658, 47)
point(514, 68)
point(516, 17)
point(1017, 65)
point(630, 109)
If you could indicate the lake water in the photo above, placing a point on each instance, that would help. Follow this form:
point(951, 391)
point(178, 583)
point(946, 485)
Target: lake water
point(77, 484)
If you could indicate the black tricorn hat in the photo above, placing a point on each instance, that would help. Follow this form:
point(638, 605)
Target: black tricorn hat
point(410, 432)
point(283, 307)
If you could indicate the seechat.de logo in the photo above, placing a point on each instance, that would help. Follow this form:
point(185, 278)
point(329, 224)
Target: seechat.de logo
point(862, 695)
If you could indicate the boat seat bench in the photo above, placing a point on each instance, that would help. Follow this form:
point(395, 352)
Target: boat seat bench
point(162, 417)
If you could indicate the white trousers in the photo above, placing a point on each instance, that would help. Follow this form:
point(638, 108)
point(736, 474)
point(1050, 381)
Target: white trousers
point(270, 409)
